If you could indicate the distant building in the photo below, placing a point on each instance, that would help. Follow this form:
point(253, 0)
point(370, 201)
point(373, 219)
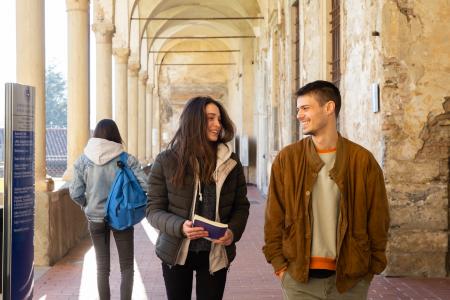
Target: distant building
point(56, 149)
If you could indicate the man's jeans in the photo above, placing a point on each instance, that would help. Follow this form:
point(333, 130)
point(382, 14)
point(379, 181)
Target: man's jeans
point(321, 288)
point(100, 235)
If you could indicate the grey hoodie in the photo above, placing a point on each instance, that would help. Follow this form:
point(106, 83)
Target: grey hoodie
point(94, 173)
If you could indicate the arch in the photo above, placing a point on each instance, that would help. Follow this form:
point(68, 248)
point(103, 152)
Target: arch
point(178, 8)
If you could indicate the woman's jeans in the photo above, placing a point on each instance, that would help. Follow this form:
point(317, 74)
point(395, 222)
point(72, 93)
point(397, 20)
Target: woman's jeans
point(100, 235)
point(178, 279)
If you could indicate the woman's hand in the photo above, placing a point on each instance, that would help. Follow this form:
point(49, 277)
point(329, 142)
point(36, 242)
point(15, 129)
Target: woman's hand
point(226, 240)
point(193, 233)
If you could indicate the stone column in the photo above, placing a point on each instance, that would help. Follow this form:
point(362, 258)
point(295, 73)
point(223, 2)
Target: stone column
point(248, 110)
point(148, 122)
point(141, 116)
point(121, 91)
point(133, 70)
point(77, 80)
point(30, 68)
point(156, 141)
point(103, 42)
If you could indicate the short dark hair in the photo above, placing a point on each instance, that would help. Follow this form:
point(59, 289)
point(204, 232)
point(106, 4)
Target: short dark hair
point(324, 91)
point(108, 130)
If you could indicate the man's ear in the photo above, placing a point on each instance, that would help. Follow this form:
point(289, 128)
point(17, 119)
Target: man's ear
point(330, 107)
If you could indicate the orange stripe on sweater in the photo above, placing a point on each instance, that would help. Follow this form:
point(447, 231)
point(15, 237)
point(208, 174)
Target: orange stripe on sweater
point(326, 151)
point(322, 263)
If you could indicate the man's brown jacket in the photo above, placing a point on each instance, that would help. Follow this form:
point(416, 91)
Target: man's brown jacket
point(363, 220)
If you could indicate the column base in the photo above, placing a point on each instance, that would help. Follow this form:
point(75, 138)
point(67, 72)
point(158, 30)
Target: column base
point(44, 185)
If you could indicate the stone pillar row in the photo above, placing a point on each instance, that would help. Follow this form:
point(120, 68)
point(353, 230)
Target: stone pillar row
point(156, 138)
point(148, 121)
point(30, 68)
point(130, 112)
point(77, 80)
point(103, 39)
point(121, 91)
point(133, 110)
point(141, 115)
point(133, 70)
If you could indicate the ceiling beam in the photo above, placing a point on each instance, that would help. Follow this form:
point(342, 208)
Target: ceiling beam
point(198, 37)
point(197, 19)
point(194, 51)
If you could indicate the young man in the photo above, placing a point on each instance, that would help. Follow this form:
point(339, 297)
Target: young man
point(327, 214)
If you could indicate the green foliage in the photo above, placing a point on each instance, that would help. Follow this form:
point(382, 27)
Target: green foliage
point(55, 98)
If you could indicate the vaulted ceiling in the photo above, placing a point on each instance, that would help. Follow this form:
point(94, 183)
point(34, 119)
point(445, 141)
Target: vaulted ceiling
point(155, 26)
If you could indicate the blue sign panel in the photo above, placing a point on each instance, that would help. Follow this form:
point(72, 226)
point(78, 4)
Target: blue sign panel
point(18, 257)
point(22, 254)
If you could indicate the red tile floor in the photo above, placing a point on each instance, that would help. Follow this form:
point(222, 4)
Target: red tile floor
point(250, 277)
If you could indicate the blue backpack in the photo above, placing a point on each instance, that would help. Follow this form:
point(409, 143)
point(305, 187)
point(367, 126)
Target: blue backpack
point(127, 200)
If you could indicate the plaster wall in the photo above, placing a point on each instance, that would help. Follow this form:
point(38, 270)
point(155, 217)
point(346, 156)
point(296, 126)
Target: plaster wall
point(416, 126)
point(361, 66)
point(311, 42)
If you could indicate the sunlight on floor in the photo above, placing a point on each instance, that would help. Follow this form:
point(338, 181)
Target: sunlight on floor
point(138, 286)
point(89, 276)
point(151, 232)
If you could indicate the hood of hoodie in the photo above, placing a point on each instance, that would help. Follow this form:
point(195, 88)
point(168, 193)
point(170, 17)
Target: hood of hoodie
point(223, 154)
point(101, 151)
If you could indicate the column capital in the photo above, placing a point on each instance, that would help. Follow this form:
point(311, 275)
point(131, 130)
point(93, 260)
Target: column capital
point(77, 5)
point(121, 55)
point(143, 76)
point(103, 32)
point(133, 68)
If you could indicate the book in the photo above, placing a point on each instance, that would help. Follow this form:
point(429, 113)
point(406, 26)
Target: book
point(215, 230)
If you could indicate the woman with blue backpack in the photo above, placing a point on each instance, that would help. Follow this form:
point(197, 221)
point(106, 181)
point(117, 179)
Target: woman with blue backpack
point(92, 185)
point(198, 175)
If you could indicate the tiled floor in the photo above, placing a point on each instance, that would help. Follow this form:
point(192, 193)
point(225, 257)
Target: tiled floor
point(250, 277)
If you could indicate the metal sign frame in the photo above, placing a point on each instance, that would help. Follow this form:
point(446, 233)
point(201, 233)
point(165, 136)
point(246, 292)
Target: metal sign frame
point(19, 194)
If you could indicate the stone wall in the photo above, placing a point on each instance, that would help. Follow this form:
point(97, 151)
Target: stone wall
point(60, 224)
point(401, 46)
point(416, 126)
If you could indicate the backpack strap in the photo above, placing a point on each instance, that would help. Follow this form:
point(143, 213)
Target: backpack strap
point(123, 157)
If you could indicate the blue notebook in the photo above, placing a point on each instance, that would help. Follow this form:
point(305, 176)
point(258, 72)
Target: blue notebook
point(215, 230)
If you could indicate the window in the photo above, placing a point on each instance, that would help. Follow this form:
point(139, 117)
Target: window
point(336, 42)
point(295, 29)
point(296, 44)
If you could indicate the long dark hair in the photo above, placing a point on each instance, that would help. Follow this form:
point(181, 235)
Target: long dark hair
point(190, 143)
point(107, 129)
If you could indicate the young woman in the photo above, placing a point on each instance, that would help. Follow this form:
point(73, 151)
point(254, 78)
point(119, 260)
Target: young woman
point(94, 173)
point(197, 174)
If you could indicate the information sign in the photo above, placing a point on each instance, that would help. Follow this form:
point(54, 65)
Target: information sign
point(18, 252)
